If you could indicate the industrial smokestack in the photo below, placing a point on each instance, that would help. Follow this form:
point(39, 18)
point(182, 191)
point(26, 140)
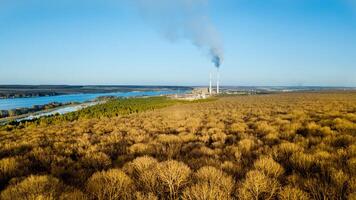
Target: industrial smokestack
point(217, 81)
point(216, 59)
point(210, 85)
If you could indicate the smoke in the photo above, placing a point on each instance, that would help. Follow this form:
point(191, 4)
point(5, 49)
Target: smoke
point(184, 19)
point(216, 57)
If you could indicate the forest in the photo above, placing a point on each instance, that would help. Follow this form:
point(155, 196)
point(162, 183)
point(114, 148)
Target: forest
point(36, 108)
point(290, 146)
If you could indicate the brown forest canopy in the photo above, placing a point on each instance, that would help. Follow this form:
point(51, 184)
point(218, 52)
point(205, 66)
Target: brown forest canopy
point(280, 146)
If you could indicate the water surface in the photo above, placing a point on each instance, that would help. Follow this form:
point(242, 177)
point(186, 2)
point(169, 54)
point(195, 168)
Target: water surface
point(7, 104)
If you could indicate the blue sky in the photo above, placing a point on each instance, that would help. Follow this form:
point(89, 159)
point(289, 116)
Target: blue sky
point(266, 42)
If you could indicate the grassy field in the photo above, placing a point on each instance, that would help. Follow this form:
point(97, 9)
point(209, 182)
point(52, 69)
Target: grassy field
point(278, 146)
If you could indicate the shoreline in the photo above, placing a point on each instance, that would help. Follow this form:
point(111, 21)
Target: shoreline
point(50, 112)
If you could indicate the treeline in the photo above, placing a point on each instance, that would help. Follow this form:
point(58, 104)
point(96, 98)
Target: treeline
point(123, 106)
point(280, 146)
point(20, 94)
point(35, 108)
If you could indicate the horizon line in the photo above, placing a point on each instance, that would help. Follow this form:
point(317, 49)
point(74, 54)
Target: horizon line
point(169, 85)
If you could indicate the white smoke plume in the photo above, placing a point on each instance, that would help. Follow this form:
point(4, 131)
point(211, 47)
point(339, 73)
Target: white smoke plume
point(184, 19)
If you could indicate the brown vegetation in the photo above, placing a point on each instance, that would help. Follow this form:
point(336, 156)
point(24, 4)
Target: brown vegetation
point(281, 146)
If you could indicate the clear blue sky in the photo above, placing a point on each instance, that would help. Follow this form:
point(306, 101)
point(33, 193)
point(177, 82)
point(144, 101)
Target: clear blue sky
point(266, 42)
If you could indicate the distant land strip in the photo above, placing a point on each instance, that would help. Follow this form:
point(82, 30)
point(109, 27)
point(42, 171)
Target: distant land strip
point(15, 91)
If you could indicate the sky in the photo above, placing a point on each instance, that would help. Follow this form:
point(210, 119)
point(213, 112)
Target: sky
point(264, 42)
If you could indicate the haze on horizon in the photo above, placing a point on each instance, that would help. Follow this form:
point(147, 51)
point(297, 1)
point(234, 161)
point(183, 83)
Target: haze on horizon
point(271, 42)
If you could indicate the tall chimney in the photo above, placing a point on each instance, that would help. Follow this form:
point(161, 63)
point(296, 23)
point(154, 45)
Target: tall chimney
point(217, 81)
point(210, 85)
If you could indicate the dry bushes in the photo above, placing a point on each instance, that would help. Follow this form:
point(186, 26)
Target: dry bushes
point(215, 177)
point(278, 146)
point(283, 151)
point(204, 191)
point(73, 195)
point(173, 176)
point(258, 186)
point(8, 168)
point(238, 128)
point(168, 146)
point(210, 183)
point(269, 167)
point(302, 162)
point(144, 172)
point(141, 196)
point(110, 185)
point(34, 187)
point(291, 193)
point(97, 160)
point(246, 146)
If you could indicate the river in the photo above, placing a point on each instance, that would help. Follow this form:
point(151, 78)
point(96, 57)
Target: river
point(13, 103)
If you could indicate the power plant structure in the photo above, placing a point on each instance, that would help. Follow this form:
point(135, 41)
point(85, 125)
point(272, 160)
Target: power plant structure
point(217, 83)
point(210, 85)
point(217, 80)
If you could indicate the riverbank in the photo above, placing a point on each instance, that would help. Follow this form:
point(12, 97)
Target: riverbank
point(49, 112)
point(33, 109)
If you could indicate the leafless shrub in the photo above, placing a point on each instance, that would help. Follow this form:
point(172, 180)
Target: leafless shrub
point(140, 148)
point(8, 168)
point(271, 138)
point(173, 175)
point(292, 193)
point(238, 128)
point(285, 150)
point(203, 151)
point(302, 162)
point(73, 195)
point(269, 167)
point(97, 160)
point(204, 191)
point(33, 187)
point(236, 169)
point(352, 187)
point(246, 145)
point(344, 125)
point(263, 128)
point(215, 178)
point(219, 136)
point(111, 185)
point(142, 196)
point(168, 145)
point(258, 186)
point(143, 170)
point(339, 180)
point(351, 150)
point(319, 190)
point(351, 163)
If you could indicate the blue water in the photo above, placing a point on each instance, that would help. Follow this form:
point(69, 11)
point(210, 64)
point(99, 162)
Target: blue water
point(7, 104)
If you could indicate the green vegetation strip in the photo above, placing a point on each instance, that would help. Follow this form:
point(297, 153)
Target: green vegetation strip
point(118, 107)
point(115, 107)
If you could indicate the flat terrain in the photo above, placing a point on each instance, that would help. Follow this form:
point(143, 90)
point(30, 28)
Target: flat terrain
point(276, 146)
